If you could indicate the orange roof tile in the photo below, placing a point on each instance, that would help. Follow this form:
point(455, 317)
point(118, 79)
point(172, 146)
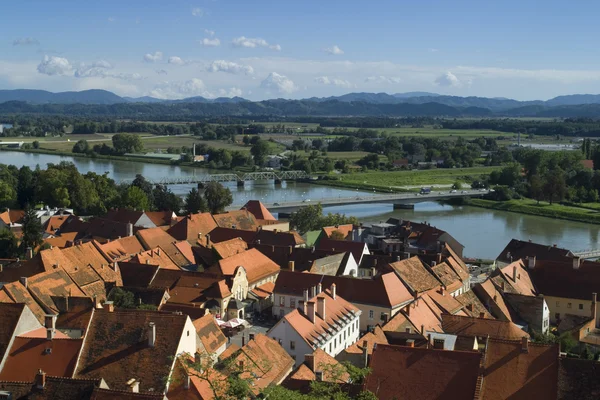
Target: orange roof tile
point(264, 291)
point(12, 216)
point(447, 276)
point(156, 256)
point(120, 249)
point(200, 387)
point(231, 247)
point(52, 283)
point(156, 237)
point(492, 295)
point(229, 351)
point(210, 334)
point(240, 219)
point(19, 294)
point(257, 265)
point(445, 301)
point(54, 222)
point(473, 306)
point(160, 218)
point(376, 337)
point(191, 226)
point(333, 370)
point(420, 315)
point(345, 230)
point(414, 274)
point(518, 277)
point(456, 263)
point(481, 327)
point(63, 240)
point(258, 210)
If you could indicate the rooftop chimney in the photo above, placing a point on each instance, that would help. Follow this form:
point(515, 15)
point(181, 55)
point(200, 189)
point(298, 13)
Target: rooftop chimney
point(525, 345)
point(410, 343)
point(439, 258)
point(208, 240)
point(134, 385)
point(302, 306)
point(23, 281)
point(50, 333)
point(40, 379)
point(407, 309)
point(422, 329)
point(29, 254)
point(531, 262)
point(593, 306)
point(50, 321)
point(576, 262)
point(291, 265)
point(305, 295)
point(333, 290)
point(416, 295)
point(110, 306)
point(442, 291)
point(151, 334)
point(365, 354)
point(319, 288)
point(313, 291)
point(311, 311)
point(321, 307)
point(129, 229)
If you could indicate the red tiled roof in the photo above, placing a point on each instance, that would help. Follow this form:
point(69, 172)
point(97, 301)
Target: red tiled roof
point(160, 218)
point(256, 264)
point(421, 315)
point(415, 275)
point(136, 274)
point(120, 249)
point(219, 235)
point(473, 306)
point(55, 222)
point(445, 301)
point(376, 337)
point(520, 249)
point(518, 277)
point(210, 334)
point(55, 389)
point(356, 248)
point(63, 240)
point(9, 318)
point(240, 219)
point(12, 216)
point(191, 226)
point(319, 360)
point(588, 164)
point(276, 238)
point(229, 248)
point(27, 355)
point(560, 279)
point(481, 327)
point(345, 230)
point(406, 373)
point(155, 256)
point(264, 291)
point(17, 293)
point(156, 237)
point(52, 283)
point(258, 209)
point(489, 294)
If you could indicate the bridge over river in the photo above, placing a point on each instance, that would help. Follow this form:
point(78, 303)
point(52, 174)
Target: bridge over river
point(399, 200)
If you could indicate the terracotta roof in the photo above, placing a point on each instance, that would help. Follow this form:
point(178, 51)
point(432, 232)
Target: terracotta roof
point(52, 283)
point(303, 257)
point(258, 209)
point(56, 357)
point(264, 291)
point(55, 222)
point(19, 294)
point(415, 275)
point(473, 306)
point(445, 301)
point(15, 271)
point(560, 279)
point(256, 264)
point(56, 388)
point(116, 348)
point(106, 229)
point(240, 219)
point(123, 215)
point(74, 312)
point(345, 230)
point(63, 240)
point(265, 360)
point(191, 226)
point(167, 278)
point(108, 394)
point(333, 371)
point(336, 310)
point(520, 249)
point(406, 373)
point(198, 288)
point(229, 351)
point(385, 290)
point(518, 277)
point(511, 373)
point(447, 276)
point(456, 263)
point(210, 334)
point(278, 238)
point(376, 337)
point(200, 388)
point(9, 318)
point(578, 379)
point(356, 248)
point(136, 274)
point(229, 248)
point(481, 327)
point(160, 218)
point(120, 249)
point(156, 237)
point(490, 296)
point(420, 314)
point(155, 256)
point(12, 216)
point(5, 298)
point(41, 333)
point(219, 235)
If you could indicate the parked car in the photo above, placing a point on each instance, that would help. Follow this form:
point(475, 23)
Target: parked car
point(275, 204)
point(453, 191)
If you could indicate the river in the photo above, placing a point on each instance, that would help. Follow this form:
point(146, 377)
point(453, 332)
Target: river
point(484, 233)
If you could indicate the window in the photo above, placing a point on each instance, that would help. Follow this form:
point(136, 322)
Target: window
point(557, 303)
point(371, 314)
point(580, 306)
point(568, 305)
point(293, 303)
point(407, 330)
point(281, 312)
point(282, 301)
point(292, 345)
point(330, 347)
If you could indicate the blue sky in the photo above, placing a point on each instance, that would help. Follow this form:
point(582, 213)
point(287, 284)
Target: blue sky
point(264, 49)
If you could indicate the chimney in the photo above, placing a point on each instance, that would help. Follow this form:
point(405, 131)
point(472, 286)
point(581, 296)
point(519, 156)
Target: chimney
point(416, 295)
point(439, 258)
point(50, 333)
point(514, 271)
point(291, 265)
point(134, 385)
point(531, 262)
point(40, 379)
point(23, 281)
point(302, 306)
point(311, 311)
point(434, 263)
point(410, 343)
point(186, 382)
point(319, 288)
point(50, 321)
point(442, 291)
point(29, 254)
point(429, 341)
point(321, 307)
point(593, 306)
point(423, 330)
point(398, 258)
point(109, 305)
point(313, 291)
point(115, 266)
point(305, 295)
point(151, 334)
point(576, 262)
point(208, 240)
point(333, 291)
point(365, 354)
point(129, 229)
point(525, 345)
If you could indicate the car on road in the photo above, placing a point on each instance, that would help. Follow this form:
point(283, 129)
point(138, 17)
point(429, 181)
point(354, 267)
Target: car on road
point(276, 204)
point(453, 191)
point(306, 201)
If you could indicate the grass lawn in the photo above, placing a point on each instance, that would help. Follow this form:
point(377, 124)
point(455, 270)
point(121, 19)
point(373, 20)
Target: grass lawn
point(417, 177)
point(528, 206)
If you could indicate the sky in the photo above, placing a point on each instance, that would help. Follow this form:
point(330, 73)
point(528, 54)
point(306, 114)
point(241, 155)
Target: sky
point(257, 49)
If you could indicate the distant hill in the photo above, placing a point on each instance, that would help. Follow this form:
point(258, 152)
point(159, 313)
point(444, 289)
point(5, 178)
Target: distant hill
point(574, 99)
point(414, 94)
point(143, 99)
point(93, 96)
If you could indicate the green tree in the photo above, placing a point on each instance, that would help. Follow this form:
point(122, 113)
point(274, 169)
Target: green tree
point(555, 185)
point(194, 202)
point(61, 197)
point(260, 151)
point(218, 197)
point(32, 230)
point(536, 188)
point(127, 143)
point(134, 198)
point(9, 246)
point(35, 144)
point(146, 187)
point(306, 218)
point(81, 146)
point(8, 195)
point(165, 199)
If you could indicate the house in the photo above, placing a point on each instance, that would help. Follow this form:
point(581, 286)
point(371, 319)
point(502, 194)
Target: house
point(53, 224)
point(402, 372)
point(16, 292)
point(358, 249)
point(520, 249)
point(378, 299)
point(415, 276)
point(180, 252)
point(481, 328)
point(211, 338)
point(532, 310)
point(11, 218)
point(473, 307)
point(588, 164)
point(339, 232)
point(259, 268)
point(581, 328)
point(192, 227)
point(341, 264)
point(324, 321)
point(49, 388)
point(141, 219)
point(426, 237)
point(400, 163)
point(207, 255)
point(413, 321)
point(493, 299)
point(240, 219)
point(318, 366)
point(15, 319)
point(156, 256)
point(256, 208)
point(121, 249)
point(134, 348)
point(359, 353)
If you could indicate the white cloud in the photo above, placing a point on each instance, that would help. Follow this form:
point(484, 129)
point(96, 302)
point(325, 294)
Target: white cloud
point(197, 12)
point(230, 67)
point(210, 42)
point(253, 43)
point(432, 50)
point(176, 60)
point(334, 50)
point(101, 69)
point(52, 65)
point(157, 56)
point(279, 84)
point(383, 79)
point(180, 89)
point(161, 72)
point(209, 32)
point(325, 80)
point(447, 80)
point(231, 92)
point(111, 19)
point(26, 41)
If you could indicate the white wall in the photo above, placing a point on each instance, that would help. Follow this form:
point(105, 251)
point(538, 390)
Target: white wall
point(284, 334)
point(351, 267)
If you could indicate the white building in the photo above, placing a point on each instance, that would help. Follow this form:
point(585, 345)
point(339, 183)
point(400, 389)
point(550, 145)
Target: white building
point(326, 322)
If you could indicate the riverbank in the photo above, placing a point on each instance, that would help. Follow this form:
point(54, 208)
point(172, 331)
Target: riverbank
point(528, 206)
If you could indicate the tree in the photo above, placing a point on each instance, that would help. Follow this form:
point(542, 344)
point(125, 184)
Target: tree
point(146, 187)
point(9, 246)
point(536, 188)
point(8, 195)
point(259, 151)
point(555, 185)
point(134, 198)
point(32, 230)
point(217, 197)
point(81, 146)
point(165, 199)
point(306, 218)
point(194, 202)
point(127, 143)
point(35, 144)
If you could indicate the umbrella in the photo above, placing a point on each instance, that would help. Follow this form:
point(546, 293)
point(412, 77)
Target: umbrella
point(220, 322)
point(232, 323)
